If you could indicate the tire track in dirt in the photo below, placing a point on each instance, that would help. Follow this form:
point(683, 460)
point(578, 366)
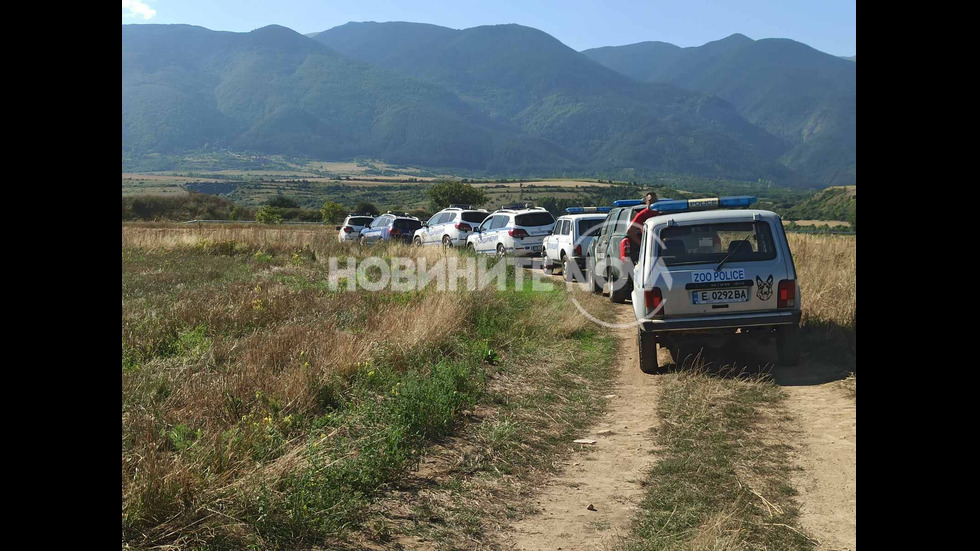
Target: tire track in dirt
point(827, 452)
point(606, 475)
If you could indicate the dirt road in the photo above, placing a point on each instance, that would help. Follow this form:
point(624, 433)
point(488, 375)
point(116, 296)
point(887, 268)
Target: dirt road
point(606, 475)
point(826, 449)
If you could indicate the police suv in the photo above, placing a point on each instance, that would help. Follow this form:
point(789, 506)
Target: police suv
point(571, 237)
point(609, 258)
point(350, 230)
point(390, 226)
point(450, 226)
point(512, 230)
point(708, 273)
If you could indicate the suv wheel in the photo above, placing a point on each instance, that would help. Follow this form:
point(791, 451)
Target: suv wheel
point(418, 241)
point(501, 252)
point(446, 242)
point(647, 352)
point(590, 279)
point(620, 295)
point(788, 344)
point(566, 268)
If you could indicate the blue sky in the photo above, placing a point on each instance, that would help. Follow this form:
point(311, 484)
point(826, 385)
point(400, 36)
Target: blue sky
point(827, 25)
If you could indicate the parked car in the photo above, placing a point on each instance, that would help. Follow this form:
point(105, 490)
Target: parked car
point(572, 236)
point(606, 266)
point(350, 230)
point(390, 226)
point(513, 230)
point(708, 272)
point(450, 226)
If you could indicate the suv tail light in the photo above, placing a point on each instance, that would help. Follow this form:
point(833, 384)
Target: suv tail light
point(624, 248)
point(463, 227)
point(348, 229)
point(654, 300)
point(786, 294)
point(578, 250)
point(518, 233)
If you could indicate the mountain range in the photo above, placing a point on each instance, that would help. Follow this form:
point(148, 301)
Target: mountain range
point(801, 95)
point(502, 99)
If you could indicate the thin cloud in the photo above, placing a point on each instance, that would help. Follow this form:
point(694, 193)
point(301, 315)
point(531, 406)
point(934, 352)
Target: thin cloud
point(135, 8)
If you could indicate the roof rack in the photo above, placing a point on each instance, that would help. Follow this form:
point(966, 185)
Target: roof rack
point(710, 203)
point(581, 210)
point(464, 207)
point(519, 206)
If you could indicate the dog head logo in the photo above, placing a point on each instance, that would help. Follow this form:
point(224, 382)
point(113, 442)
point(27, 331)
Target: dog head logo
point(765, 288)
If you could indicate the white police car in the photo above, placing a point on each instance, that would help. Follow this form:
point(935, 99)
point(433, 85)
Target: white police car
point(570, 239)
point(707, 273)
point(450, 226)
point(512, 230)
point(350, 230)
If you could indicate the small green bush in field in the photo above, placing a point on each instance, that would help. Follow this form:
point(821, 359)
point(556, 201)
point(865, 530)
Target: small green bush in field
point(268, 215)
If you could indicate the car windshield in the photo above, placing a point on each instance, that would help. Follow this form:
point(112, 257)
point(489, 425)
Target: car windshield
point(534, 219)
point(585, 226)
point(406, 224)
point(476, 217)
point(712, 243)
point(359, 221)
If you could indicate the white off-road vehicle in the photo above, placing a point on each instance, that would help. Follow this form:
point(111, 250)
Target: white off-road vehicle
point(571, 237)
point(514, 230)
point(450, 226)
point(350, 230)
point(708, 273)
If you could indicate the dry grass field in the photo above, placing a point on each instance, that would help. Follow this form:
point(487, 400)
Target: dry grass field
point(261, 407)
point(827, 266)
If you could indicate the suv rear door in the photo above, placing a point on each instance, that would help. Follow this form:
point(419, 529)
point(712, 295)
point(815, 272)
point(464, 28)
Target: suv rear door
point(690, 251)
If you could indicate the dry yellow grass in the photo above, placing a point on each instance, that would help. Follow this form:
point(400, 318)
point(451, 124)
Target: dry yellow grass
point(228, 357)
point(159, 236)
point(827, 266)
point(827, 274)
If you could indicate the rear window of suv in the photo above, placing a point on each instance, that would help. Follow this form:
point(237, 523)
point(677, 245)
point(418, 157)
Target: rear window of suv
point(475, 216)
point(359, 221)
point(585, 226)
point(712, 243)
point(534, 219)
point(407, 224)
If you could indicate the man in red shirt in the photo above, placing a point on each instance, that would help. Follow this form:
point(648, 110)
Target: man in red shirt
point(635, 231)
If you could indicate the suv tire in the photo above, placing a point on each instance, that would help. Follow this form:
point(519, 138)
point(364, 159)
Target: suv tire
point(566, 268)
point(646, 345)
point(446, 242)
point(418, 241)
point(788, 344)
point(590, 280)
point(501, 251)
point(620, 295)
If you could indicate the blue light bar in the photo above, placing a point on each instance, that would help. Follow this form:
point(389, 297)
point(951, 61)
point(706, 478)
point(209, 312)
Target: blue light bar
point(628, 202)
point(686, 205)
point(582, 210)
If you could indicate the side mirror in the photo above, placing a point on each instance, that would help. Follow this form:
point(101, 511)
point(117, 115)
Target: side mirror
point(338, 228)
point(425, 224)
